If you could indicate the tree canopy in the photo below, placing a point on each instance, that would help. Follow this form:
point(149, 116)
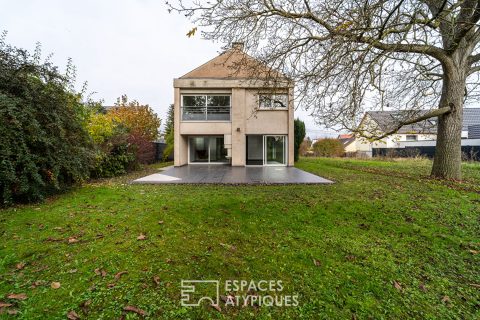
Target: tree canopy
point(349, 56)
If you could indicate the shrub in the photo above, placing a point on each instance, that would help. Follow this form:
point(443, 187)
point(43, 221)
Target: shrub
point(328, 148)
point(169, 133)
point(299, 135)
point(142, 149)
point(44, 146)
point(116, 162)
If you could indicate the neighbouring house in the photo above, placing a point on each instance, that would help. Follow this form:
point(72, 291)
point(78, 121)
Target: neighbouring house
point(348, 141)
point(422, 133)
point(224, 115)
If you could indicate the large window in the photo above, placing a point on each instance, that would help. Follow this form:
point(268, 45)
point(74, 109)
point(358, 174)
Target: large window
point(273, 101)
point(207, 150)
point(206, 107)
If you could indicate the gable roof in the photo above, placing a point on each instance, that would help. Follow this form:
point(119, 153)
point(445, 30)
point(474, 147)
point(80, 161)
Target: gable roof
point(386, 120)
point(233, 64)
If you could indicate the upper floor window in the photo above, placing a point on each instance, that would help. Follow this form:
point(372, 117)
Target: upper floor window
point(273, 101)
point(206, 107)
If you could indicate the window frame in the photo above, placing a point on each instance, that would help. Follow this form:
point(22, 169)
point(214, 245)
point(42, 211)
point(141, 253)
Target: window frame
point(272, 98)
point(206, 106)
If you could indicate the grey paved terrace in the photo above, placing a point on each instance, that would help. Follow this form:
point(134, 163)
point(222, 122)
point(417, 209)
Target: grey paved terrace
point(224, 174)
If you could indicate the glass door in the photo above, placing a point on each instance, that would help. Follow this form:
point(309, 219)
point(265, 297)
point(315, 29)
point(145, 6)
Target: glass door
point(275, 150)
point(207, 150)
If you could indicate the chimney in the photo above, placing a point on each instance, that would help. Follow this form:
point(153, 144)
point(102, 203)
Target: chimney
point(238, 46)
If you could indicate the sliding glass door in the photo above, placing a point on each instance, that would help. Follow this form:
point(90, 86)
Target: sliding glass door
point(207, 150)
point(275, 150)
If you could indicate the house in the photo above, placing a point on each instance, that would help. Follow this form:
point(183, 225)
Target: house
point(422, 133)
point(226, 115)
point(348, 141)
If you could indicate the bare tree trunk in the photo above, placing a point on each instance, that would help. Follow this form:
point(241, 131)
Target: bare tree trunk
point(448, 154)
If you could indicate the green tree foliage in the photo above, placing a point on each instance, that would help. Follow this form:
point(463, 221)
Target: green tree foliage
point(44, 146)
point(328, 148)
point(299, 135)
point(169, 133)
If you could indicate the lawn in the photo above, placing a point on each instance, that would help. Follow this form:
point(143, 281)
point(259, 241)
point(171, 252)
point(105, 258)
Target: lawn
point(384, 241)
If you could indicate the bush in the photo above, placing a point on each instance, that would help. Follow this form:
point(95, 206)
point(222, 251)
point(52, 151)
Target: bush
point(44, 146)
point(114, 163)
point(328, 148)
point(142, 149)
point(299, 135)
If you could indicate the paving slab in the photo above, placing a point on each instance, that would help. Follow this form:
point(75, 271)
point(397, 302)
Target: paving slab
point(224, 174)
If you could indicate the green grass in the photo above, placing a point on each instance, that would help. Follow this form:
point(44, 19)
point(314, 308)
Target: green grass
point(381, 222)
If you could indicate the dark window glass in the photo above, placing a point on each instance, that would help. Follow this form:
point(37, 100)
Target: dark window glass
point(218, 101)
point(193, 101)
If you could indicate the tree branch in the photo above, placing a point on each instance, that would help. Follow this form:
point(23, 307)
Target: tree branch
point(426, 116)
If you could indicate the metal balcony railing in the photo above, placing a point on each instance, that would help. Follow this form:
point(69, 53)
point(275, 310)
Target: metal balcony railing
point(206, 113)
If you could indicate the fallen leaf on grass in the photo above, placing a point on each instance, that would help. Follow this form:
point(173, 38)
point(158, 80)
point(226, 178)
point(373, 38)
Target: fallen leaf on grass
point(17, 296)
point(317, 262)
point(141, 237)
point(216, 307)
point(72, 240)
point(55, 285)
point(110, 285)
point(227, 246)
point(5, 305)
point(397, 285)
point(72, 315)
point(118, 275)
point(20, 266)
point(135, 309)
point(38, 283)
point(100, 272)
point(84, 305)
point(72, 271)
point(474, 251)
point(156, 279)
point(160, 222)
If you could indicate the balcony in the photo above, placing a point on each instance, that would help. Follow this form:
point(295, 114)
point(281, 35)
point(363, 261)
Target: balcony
point(206, 113)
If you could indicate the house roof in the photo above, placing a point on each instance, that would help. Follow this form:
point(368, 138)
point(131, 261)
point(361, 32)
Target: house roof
point(233, 64)
point(386, 120)
point(346, 139)
point(471, 117)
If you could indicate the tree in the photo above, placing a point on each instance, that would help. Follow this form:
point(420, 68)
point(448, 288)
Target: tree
point(44, 146)
point(139, 119)
point(169, 132)
point(348, 56)
point(328, 148)
point(299, 135)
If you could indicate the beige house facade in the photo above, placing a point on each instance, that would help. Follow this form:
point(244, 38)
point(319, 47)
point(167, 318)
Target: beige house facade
point(223, 115)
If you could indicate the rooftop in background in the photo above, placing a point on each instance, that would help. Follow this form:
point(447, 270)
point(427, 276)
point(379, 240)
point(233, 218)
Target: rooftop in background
point(386, 120)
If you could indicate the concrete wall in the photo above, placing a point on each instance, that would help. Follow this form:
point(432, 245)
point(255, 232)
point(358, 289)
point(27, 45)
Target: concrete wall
point(245, 117)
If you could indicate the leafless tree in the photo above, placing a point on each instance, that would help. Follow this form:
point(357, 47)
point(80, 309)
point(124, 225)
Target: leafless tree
point(349, 56)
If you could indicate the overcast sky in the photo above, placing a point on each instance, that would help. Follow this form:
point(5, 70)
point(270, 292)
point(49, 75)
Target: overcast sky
point(132, 47)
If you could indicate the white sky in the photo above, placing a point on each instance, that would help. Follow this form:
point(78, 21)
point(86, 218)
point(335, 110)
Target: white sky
point(132, 47)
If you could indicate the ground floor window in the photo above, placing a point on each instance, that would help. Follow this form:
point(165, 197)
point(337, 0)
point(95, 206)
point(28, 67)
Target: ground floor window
point(266, 150)
point(207, 149)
